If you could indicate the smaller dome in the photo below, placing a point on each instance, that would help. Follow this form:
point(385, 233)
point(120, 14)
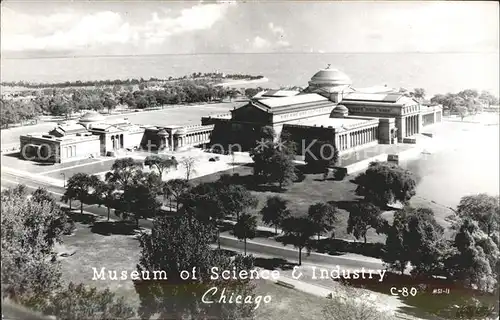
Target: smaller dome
point(163, 133)
point(181, 131)
point(91, 116)
point(341, 108)
point(339, 111)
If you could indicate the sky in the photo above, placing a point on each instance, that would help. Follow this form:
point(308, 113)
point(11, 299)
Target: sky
point(80, 28)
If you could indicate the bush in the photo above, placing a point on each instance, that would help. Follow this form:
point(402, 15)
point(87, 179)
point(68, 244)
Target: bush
point(69, 227)
point(340, 174)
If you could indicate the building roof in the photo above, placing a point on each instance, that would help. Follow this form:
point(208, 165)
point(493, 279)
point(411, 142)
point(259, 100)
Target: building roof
point(276, 93)
point(291, 104)
point(330, 76)
point(376, 89)
point(339, 124)
point(396, 98)
point(294, 100)
point(67, 129)
point(91, 116)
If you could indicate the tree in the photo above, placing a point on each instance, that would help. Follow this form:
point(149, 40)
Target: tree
point(468, 93)
point(274, 162)
point(266, 133)
point(384, 183)
point(245, 228)
point(123, 171)
point(490, 98)
point(469, 263)
point(61, 220)
point(321, 155)
point(483, 208)
point(419, 93)
point(106, 195)
point(235, 199)
point(29, 231)
point(323, 216)
point(250, 92)
point(298, 232)
point(139, 200)
point(177, 244)
point(352, 304)
point(362, 217)
point(109, 104)
point(176, 188)
point(462, 111)
point(189, 164)
point(79, 187)
point(80, 302)
point(204, 203)
point(415, 237)
point(275, 212)
point(161, 164)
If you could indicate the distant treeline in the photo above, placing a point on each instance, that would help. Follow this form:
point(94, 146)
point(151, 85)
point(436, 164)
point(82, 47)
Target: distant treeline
point(100, 83)
point(65, 101)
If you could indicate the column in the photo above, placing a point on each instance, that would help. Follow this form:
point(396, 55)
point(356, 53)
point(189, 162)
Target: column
point(172, 142)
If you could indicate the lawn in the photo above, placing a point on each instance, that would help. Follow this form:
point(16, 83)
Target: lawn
point(177, 115)
point(314, 189)
point(287, 304)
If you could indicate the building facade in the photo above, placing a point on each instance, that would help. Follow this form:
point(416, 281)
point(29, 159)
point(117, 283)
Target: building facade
point(328, 109)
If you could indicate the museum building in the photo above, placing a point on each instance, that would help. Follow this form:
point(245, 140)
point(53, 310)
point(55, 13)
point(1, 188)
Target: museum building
point(329, 109)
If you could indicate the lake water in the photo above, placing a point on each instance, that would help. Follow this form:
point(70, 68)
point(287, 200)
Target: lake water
point(437, 73)
point(467, 162)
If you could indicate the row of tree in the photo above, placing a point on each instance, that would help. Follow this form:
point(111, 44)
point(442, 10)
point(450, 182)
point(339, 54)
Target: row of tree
point(66, 101)
point(101, 83)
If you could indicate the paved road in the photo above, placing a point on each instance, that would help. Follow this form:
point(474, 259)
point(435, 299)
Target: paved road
point(258, 249)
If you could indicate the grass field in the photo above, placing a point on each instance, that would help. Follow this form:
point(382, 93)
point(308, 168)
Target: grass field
point(313, 189)
point(174, 115)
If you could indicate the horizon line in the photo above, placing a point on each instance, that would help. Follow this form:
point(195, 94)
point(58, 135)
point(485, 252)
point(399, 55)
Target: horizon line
point(2, 55)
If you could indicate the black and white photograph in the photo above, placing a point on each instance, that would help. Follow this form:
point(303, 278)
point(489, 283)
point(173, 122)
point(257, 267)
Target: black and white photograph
point(260, 160)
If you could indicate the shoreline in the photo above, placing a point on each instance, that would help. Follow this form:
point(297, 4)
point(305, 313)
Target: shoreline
point(242, 82)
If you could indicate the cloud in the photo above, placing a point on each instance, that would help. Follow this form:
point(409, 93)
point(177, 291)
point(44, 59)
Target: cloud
point(99, 28)
point(72, 31)
point(260, 43)
point(198, 17)
point(283, 43)
point(276, 30)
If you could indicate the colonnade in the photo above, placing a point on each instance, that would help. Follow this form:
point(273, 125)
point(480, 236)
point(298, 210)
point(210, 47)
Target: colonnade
point(411, 125)
point(357, 137)
point(193, 139)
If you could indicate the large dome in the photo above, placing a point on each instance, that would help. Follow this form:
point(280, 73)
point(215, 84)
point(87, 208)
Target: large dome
point(330, 77)
point(91, 116)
